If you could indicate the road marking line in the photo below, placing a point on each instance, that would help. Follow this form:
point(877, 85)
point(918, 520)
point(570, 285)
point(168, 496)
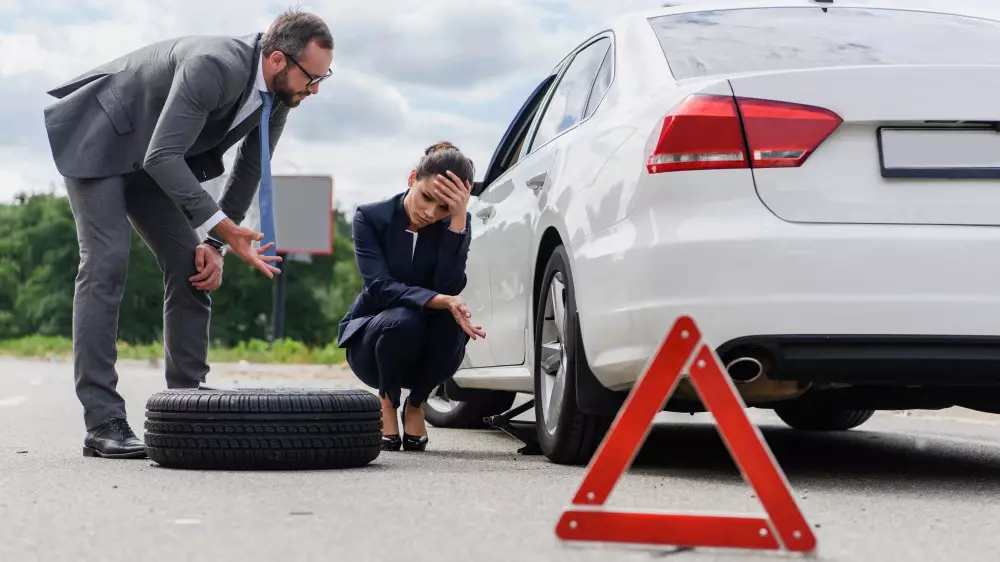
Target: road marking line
point(16, 400)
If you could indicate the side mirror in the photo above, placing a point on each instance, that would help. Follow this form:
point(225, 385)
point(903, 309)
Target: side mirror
point(477, 188)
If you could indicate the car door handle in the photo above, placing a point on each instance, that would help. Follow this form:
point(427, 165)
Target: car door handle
point(537, 181)
point(486, 213)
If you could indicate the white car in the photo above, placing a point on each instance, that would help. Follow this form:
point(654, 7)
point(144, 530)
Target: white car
point(816, 183)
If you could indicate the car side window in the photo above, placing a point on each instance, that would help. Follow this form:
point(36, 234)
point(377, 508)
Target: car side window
point(509, 149)
point(569, 100)
point(603, 82)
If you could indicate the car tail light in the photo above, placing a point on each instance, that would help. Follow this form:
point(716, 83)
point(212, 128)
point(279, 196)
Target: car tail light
point(706, 132)
point(783, 135)
point(703, 133)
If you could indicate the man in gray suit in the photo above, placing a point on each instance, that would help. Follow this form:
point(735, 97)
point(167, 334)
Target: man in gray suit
point(134, 139)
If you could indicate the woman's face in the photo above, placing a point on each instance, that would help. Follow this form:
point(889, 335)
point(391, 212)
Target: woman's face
point(424, 208)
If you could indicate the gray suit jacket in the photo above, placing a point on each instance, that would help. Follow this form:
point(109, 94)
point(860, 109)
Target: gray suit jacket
point(166, 108)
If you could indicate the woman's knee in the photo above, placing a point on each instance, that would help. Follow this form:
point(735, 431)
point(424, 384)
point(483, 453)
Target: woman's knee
point(402, 332)
point(402, 321)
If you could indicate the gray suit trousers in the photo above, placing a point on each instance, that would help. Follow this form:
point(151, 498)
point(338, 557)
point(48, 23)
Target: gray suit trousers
point(103, 209)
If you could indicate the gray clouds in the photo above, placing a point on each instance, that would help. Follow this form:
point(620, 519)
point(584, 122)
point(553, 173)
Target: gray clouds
point(406, 74)
point(350, 107)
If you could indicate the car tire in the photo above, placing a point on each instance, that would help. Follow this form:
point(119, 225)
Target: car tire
point(440, 410)
point(566, 435)
point(817, 416)
point(263, 429)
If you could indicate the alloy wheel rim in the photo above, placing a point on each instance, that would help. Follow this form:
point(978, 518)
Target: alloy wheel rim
point(553, 354)
point(439, 400)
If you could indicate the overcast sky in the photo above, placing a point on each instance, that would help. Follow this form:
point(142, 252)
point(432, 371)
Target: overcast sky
point(407, 73)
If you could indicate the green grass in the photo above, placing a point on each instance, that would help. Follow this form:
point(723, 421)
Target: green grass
point(253, 351)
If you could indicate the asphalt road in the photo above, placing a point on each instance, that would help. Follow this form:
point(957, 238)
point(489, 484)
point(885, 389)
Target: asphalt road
point(915, 487)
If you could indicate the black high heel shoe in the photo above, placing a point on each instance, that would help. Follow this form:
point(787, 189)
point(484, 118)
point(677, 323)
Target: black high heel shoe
point(410, 442)
point(391, 442)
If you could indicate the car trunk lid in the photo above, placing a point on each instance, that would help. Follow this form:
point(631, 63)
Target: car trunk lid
point(915, 145)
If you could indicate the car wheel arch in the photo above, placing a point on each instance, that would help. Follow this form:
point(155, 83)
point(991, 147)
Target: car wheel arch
point(591, 396)
point(550, 240)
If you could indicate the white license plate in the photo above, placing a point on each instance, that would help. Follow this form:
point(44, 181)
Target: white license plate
point(939, 153)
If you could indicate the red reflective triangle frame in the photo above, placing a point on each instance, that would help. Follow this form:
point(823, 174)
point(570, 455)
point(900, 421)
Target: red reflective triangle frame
point(588, 520)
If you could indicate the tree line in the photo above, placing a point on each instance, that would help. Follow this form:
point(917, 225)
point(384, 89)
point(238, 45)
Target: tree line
point(39, 256)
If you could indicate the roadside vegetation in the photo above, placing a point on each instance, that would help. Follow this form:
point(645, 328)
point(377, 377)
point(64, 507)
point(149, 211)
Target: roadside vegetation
point(39, 256)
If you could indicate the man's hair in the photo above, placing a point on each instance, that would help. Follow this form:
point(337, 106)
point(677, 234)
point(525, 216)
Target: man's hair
point(443, 156)
point(292, 31)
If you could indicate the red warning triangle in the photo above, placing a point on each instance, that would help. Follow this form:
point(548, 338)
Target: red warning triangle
point(588, 520)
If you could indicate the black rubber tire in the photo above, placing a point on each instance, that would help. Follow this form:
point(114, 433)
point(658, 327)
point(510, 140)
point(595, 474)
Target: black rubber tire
point(817, 416)
point(577, 434)
point(263, 429)
point(469, 414)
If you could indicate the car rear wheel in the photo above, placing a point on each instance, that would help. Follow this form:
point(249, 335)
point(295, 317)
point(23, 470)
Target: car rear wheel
point(818, 416)
point(566, 435)
point(442, 410)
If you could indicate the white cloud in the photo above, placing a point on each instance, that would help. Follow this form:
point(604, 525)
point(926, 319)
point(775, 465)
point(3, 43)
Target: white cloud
point(407, 73)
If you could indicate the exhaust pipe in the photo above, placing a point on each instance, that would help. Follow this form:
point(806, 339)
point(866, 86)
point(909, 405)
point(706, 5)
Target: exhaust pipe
point(745, 369)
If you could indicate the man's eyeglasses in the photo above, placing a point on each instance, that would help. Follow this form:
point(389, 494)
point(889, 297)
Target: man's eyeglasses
point(313, 80)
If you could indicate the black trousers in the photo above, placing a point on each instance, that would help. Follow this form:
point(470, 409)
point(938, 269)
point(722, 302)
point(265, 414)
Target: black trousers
point(406, 348)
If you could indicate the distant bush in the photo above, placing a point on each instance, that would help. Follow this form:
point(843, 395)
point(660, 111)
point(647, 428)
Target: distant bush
point(253, 351)
point(39, 257)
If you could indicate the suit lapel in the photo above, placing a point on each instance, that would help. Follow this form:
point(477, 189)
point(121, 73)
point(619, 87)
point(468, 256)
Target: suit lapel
point(253, 119)
point(399, 242)
point(242, 129)
point(254, 61)
point(427, 244)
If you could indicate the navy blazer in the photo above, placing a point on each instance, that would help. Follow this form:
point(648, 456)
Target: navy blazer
point(382, 249)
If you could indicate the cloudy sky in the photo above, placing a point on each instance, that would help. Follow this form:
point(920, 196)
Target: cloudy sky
point(407, 73)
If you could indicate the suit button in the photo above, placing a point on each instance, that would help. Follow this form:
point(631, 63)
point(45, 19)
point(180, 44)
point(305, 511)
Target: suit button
point(135, 165)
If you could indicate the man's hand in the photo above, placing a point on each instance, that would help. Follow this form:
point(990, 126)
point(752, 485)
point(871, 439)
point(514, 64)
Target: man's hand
point(208, 263)
point(456, 306)
point(240, 239)
point(456, 194)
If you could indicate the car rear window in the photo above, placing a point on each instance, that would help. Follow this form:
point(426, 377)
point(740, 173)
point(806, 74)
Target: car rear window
point(766, 39)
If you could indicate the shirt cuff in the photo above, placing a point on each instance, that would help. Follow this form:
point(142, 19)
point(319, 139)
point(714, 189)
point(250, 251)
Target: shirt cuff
point(211, 223)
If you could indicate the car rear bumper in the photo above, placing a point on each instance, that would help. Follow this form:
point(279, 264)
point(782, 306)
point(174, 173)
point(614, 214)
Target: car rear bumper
point(846, 302)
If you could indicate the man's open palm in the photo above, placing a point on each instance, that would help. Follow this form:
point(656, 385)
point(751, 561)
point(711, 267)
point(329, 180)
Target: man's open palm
point(241, 241)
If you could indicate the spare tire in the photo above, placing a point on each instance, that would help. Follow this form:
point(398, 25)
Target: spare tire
point(263, 429)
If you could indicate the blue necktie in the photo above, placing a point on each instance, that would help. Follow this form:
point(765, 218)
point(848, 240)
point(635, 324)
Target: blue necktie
point(266, 208)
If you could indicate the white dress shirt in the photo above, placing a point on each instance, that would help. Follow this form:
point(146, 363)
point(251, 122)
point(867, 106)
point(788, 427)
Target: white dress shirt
point(251, 104)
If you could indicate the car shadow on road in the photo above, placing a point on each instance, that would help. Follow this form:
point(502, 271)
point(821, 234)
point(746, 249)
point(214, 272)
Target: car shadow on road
point(819, 460)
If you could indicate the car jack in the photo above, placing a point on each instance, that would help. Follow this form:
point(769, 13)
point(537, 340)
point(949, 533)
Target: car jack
point(522, 431)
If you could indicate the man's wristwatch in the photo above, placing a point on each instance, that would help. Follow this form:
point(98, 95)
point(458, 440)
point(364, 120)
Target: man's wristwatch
point(221, 247)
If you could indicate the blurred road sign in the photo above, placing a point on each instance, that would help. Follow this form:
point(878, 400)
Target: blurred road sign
point(303, 214)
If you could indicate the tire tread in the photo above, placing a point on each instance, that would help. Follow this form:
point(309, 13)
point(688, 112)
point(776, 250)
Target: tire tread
point(263, 428)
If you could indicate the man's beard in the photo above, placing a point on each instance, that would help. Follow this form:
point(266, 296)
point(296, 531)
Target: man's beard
point(283, 92)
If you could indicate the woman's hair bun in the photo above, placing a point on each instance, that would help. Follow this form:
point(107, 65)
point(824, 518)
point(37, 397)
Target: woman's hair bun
point(442, 157)
point(443, 145)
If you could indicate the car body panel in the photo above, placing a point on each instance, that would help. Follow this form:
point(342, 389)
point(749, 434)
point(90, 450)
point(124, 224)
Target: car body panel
point(645, 248)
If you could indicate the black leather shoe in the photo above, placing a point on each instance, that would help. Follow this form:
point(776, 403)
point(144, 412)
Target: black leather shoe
point(114, 440)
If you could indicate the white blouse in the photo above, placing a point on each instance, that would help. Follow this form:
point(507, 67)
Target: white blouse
point(413, 250)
